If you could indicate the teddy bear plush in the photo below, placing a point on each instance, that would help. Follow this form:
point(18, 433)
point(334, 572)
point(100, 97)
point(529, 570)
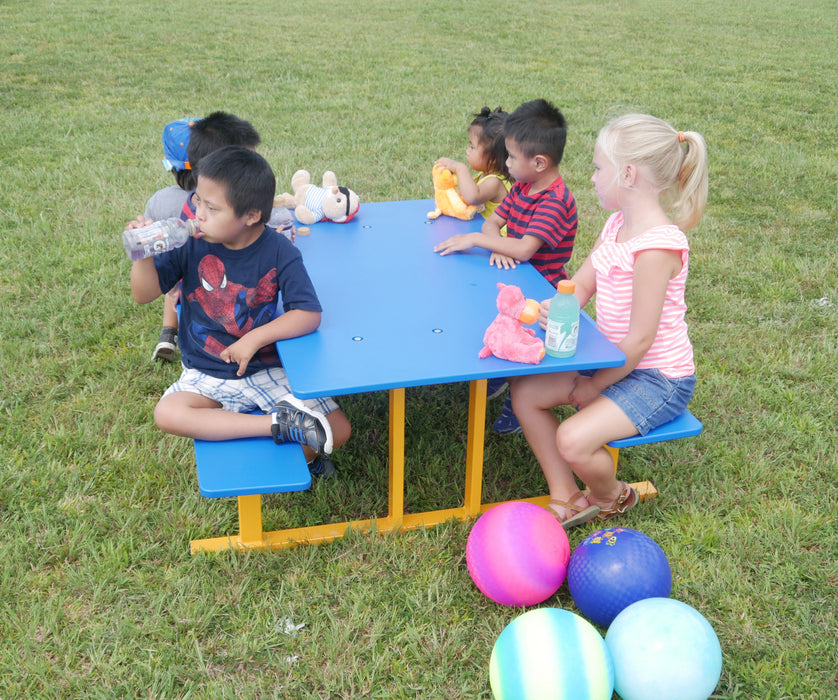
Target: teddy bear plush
point(447, 197)
point(311, 203)
point(506, 336)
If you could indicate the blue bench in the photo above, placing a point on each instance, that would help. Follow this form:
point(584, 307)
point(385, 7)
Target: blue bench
point(685, 425)
point(251, 467)
point(247, 469)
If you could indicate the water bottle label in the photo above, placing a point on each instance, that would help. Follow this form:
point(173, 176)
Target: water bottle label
point(161, 245)
point(561, 337)
point(153, 245)
point(568, 343)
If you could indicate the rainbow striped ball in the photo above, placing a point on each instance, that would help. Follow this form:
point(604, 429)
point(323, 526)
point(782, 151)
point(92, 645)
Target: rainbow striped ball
point(550, 653)
point(517, 554)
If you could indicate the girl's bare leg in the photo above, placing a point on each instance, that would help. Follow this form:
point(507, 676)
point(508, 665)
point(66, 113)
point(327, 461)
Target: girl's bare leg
point(580, 443)
point(533, 400)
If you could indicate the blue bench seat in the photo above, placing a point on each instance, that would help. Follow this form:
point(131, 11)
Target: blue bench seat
point(250, 466)
point(246, 469)
point(685, 425)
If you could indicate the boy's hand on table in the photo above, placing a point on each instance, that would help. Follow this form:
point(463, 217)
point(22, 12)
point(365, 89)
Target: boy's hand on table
point(542, 316)
point(462, 241)
point(503, 261)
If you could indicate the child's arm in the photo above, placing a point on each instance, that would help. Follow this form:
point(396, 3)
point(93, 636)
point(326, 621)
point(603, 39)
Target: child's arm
point(145, 284)
point(291, 324)
point(652, 271)
point(489, 238)
point(585, 278)
point(491, 189)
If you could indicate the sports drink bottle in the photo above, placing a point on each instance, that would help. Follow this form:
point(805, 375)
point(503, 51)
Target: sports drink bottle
point(562, 322)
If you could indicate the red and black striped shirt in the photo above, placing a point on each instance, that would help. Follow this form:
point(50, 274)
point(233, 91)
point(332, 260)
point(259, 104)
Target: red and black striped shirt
point(551, 216)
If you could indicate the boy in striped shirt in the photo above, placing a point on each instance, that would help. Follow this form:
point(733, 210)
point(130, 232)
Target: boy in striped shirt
point(539, 212)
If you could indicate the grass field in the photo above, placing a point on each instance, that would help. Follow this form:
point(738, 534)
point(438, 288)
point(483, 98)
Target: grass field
point(100, 596)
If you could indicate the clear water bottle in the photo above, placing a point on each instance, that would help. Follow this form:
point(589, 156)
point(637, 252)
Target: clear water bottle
point(158, 237)
point(563, 322)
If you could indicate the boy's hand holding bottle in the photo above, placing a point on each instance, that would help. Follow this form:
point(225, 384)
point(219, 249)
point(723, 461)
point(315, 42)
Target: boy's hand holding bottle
point(143, 237)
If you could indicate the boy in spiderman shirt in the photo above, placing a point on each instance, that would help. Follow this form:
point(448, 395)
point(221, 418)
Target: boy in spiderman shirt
point(235, 271)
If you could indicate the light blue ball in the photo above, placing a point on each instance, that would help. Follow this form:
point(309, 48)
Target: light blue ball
point(663, 649)
point(550, 653)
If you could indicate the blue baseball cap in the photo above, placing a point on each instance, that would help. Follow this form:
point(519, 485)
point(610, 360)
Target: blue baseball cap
point(175, 140)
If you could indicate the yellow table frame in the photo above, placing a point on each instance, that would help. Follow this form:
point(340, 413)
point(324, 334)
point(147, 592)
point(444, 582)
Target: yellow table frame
point(251, 534)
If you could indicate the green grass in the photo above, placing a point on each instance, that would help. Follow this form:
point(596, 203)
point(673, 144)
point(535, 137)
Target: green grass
point(100, 596)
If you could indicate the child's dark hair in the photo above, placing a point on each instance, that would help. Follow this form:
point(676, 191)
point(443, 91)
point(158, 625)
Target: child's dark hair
point(538, 128)
point(247, 177)
point(491, 123)
point(185, 179)
point(216, 130)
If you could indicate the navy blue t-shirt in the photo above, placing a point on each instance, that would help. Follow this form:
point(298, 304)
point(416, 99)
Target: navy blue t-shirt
point(226, 293)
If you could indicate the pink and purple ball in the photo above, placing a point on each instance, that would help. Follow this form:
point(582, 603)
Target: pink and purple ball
point(663, 649)
point(517, 554)
point(550, 653)
point(613, 568)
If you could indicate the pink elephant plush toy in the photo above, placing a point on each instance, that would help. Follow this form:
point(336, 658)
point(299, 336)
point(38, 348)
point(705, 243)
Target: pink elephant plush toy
point(506, 336)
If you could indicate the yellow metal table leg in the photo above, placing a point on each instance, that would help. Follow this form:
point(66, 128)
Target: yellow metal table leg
point(250, 529)
point(250, 521)
point(645, 489)
point(396, 466)
point(474, 446)
point(615, 455)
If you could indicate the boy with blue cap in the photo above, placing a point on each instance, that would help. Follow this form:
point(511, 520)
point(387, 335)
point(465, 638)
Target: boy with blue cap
point(168, 202)
point(185, 142)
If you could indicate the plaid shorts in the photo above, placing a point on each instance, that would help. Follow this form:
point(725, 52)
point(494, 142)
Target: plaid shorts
point(262, 390)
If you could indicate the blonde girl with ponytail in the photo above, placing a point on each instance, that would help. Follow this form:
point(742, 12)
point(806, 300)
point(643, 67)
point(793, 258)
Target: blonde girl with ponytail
point(655, 178)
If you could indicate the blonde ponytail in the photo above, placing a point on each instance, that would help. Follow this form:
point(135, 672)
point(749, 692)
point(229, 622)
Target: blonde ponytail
point(692, 181)
point(676, 161)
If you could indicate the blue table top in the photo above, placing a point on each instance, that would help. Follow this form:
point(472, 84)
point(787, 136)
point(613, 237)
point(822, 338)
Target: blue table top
point(396, 314)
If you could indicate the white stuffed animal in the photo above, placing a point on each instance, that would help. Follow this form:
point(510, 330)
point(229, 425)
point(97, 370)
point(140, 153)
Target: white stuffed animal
point(311, 203)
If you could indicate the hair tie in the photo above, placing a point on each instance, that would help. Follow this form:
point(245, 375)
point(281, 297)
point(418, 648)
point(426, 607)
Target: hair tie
point(681, 137)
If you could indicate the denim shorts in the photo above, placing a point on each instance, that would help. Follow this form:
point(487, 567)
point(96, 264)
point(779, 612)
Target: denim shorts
point(262, 390)
point(649, 398)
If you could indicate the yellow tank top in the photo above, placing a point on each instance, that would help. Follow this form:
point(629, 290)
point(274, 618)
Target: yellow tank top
point(489, 207)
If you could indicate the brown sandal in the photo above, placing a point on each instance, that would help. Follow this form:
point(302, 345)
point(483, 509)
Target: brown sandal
point(577, 515)
point(628, 498)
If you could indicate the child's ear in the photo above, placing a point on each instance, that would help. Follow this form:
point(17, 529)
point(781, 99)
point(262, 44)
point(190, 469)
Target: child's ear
point(541, 162)
point(629, 175)
point(253, 217)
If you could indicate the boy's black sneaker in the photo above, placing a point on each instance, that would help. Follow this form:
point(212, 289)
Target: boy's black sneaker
point(166, 346)
point(293, 421)
point(322, 467)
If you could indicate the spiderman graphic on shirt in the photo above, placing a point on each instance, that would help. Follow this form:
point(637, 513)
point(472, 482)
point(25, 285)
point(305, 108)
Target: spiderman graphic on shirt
point(229, 304)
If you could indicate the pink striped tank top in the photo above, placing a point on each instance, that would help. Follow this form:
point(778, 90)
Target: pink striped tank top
point(671, 351)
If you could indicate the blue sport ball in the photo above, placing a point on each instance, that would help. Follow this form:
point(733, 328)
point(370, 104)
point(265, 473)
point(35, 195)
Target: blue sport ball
point(663, 649)
point(613, 568)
